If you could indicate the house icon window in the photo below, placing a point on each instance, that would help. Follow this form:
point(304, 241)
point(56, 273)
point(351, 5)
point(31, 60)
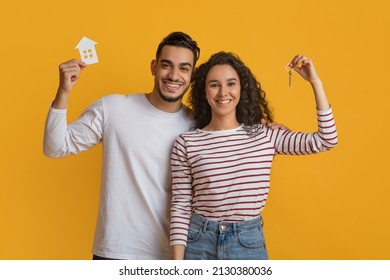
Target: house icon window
point(87, 53)
point(87, 50)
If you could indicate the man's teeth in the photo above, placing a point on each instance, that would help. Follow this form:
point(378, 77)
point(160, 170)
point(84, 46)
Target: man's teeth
point(223, 101)
point(173, 86)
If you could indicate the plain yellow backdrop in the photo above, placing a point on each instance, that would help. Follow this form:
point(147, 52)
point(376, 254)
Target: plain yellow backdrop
point(329, 206)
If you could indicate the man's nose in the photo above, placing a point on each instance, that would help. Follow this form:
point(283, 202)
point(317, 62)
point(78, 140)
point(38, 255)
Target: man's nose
point(174, 74)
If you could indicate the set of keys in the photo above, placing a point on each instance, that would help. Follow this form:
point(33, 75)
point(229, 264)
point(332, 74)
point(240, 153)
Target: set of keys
point(290, 70)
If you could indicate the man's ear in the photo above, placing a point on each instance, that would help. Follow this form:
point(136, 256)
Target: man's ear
point(153, 67)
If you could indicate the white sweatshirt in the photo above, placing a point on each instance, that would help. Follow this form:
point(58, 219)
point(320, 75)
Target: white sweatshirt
point(133, 220)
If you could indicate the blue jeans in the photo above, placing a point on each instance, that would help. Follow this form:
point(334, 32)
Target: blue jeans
point(209, 240)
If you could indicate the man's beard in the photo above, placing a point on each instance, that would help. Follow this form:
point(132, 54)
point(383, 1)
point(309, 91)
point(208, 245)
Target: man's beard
point(171, 99)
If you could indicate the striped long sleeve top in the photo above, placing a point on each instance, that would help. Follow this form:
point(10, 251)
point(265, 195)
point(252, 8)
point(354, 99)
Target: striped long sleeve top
point(225, 175)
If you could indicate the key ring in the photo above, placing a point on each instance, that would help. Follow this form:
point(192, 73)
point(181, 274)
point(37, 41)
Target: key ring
point(289, 69)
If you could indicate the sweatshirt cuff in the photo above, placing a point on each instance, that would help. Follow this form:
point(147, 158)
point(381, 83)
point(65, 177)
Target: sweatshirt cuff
point(324, 112)
point(58, 111)
point(178, 242)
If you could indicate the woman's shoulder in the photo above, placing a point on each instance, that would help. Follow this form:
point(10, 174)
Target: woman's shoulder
point(256, 129)
point(191, 133)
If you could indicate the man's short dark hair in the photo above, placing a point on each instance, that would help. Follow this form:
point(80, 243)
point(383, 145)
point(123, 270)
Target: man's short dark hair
point(179, 39)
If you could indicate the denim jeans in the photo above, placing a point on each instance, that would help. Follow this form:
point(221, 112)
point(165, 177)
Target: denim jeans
point(209, 240)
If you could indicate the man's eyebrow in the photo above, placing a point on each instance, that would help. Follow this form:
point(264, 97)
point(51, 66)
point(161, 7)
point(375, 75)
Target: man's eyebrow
point(166, 61)
point(186, 64)
point(171, 63)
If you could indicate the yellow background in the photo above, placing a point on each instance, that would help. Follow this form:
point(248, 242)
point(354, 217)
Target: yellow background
point(329, 206)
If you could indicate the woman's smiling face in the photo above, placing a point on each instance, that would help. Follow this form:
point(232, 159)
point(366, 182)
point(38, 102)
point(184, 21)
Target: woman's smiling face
point(223, 90)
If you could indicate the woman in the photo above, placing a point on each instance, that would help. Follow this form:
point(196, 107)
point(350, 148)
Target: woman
point(221, 170)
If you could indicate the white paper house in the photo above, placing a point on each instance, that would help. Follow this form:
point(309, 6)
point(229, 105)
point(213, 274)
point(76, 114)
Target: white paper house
point(87, 50)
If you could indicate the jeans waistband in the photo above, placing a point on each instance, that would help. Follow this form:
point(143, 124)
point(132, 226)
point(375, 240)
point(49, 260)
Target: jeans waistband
point(209, 225)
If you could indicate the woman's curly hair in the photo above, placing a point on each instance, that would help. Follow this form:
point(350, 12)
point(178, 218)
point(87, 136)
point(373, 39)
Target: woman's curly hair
point(252, 106)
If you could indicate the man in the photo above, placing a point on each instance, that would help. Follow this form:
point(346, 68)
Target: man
point(138, 131)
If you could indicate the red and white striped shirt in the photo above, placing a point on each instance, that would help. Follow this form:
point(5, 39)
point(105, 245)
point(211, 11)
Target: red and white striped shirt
point(225, 175)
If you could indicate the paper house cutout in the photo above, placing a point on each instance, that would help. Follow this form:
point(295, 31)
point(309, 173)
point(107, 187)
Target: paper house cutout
point(87, 51)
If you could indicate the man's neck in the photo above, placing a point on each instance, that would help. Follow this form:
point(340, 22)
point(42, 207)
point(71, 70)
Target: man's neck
point(169, 107)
